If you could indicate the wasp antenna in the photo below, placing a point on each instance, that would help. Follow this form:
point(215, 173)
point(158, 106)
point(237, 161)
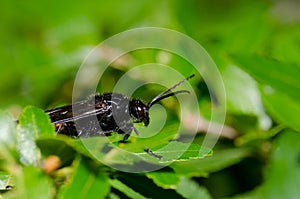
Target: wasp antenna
point(167, 95)
point(163, 96)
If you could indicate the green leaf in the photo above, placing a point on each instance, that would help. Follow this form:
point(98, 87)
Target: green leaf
point(119, 156)
point(282, 175)
point(177, 151)
point(166, 180)
point(7, 130)
point(184, 186)
point(138, 144)
point(28, 180)
point(283, 77)
point(173, 151)
point(125, 189)
point(285, 43)
point(283, 108)
point(86, 183)
point(190, 189)
point(243, 95)
point(36, 121)
point(202, 167)
point(92, 147)
point(63, 148)
point(33, 123)
point(100, 149)
point(119, 153)
point(35, 179)
point(5, 181)
point(112, 195)
point(258, 135)
point(284, 165)
point(8, 136)
point(280, 86)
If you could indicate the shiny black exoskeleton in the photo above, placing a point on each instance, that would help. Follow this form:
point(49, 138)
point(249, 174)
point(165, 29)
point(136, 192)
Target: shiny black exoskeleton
point(102, 114)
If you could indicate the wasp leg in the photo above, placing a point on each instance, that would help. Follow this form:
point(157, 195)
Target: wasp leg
point(136, 131)
point(126, 129)
point(59, 127)
point(125, 138)
point(147, 150)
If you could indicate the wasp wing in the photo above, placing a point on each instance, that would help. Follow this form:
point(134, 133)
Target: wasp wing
point(78, 110)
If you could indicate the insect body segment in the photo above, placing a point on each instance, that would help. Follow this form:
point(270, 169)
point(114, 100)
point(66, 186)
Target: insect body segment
point(102, 114)
point(139, 111)
point(99, 115)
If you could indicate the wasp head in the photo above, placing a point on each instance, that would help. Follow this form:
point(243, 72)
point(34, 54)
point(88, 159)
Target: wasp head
point(139, 111)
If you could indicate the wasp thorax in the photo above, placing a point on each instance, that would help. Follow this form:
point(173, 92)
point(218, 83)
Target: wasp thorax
point(139, 111)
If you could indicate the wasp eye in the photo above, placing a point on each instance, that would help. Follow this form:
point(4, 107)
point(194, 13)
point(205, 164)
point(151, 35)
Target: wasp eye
point(138, 111)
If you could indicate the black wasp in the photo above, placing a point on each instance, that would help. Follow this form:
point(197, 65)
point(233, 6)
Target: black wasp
point(103, 114)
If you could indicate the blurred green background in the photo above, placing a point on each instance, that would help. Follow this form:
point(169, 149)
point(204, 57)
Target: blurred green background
point(255, 44)
point(44, 43)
